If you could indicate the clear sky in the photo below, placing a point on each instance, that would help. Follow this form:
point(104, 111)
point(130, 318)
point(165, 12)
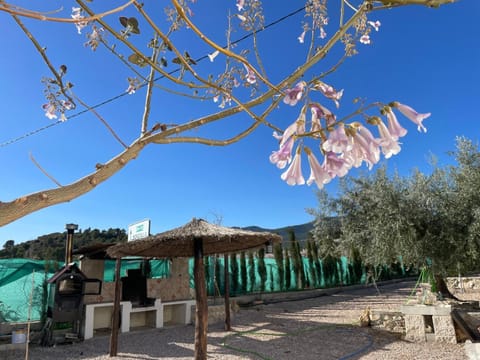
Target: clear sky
point(427, 58)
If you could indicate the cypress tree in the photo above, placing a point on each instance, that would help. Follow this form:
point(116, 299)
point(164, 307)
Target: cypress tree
point(278, 253)
point(288, 271)
point(243, 272)
point(262, 270)
point(251, 271)
point(297, 261)
point(311, 264)
point(316, 261)
point(272, 286)
point(234, 273)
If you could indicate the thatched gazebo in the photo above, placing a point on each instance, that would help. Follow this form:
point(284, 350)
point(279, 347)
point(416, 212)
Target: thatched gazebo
point(196, 239)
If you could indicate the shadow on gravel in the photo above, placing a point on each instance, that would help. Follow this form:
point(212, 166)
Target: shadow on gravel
point(317, 328)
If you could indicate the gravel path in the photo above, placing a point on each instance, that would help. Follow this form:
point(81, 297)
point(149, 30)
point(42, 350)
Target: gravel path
point(320, 328)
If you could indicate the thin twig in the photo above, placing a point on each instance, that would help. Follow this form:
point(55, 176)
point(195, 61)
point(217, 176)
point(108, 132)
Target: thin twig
point(42, 53)
point(38, 15)
point(151, 80)
point(104, 122)
point(44, 171)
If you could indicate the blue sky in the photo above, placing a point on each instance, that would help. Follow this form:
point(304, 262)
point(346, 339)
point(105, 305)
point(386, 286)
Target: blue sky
point(427, 58)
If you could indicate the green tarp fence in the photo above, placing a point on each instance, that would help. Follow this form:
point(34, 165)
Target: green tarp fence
point(216, 279)
point(19, 276)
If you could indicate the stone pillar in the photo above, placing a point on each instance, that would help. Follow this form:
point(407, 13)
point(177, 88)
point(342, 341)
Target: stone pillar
point(415, 326)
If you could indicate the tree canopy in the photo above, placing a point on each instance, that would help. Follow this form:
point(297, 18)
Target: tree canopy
point(426, 219)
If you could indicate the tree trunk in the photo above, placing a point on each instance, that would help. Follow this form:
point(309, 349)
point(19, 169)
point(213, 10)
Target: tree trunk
point(442, 288)
point(201, 309)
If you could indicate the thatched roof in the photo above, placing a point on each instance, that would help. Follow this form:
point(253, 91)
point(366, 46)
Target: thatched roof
point(94, 251)
point(178, 242)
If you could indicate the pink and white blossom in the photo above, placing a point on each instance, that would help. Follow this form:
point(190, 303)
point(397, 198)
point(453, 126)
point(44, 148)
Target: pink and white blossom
point(250, 76)
point(284, 155)
point(412, 115)
point(365, 39)
point(50, 111)
point(375, 24)
point(240, 4)
point(293, 175)
point(301, 38)
point(390, 146)
point(363, 149)
point(329, 92)
point(318, 112)
point(77, 14)
point(293, 95)
point(394, 127)
point(336, 165)
point(317, 171)
point(323, 34)
point(337, 141)
point(213, 55)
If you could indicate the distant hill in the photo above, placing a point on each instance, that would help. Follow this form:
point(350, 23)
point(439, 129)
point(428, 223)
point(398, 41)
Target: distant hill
point(52, 246)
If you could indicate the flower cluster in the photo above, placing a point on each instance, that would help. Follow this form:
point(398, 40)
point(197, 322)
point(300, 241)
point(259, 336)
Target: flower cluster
point(77, 14)
point(53, 107)
point(343, 145)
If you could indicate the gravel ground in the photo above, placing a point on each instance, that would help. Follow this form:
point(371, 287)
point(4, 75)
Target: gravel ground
point(324, 327)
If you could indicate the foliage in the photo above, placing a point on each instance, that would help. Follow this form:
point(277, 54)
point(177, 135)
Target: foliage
point(311, 262)
point(297, 261)
point(251, 270)
point(288, 270)
point(278, 254)
point(422, 218)
point(262, 269)
point(52, 246)
point(234, 285)
point(241, 84)
point(243, 272)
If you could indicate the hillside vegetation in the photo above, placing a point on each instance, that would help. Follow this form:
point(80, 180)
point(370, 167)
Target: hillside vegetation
point(52, 246)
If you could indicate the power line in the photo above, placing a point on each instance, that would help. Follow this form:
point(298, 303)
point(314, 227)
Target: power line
point(114, 98)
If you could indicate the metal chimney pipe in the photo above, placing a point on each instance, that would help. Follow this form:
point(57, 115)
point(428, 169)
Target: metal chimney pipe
point(69, 245)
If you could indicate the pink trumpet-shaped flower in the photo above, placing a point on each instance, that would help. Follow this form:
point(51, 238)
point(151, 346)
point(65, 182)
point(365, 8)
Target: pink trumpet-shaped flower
point(284, 155)
point(336, 165)
point(297, 127)
point(240, 4)
point(329, 92)
point(412, 115)
point(390, 146)
point(337, 140)
point(293, 175)
point(317, 171)
point(394, 127)
point(301, 38)
point(49, 111)
point(213, 55)
point(365, 39)
point(375, 24)
point(250, 77)
point(369, 146)
point(318, 112)
point(293, 95)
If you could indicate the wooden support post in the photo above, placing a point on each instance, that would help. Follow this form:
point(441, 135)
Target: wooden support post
point(116, 311)
point(228, 325)
point(201, 310)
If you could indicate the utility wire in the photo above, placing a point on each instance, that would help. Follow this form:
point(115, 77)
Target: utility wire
point(109, 100)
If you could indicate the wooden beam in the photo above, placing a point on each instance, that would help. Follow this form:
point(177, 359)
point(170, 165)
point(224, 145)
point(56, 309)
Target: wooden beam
point(201, 309)
point(228, 325)
point(116, 311)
